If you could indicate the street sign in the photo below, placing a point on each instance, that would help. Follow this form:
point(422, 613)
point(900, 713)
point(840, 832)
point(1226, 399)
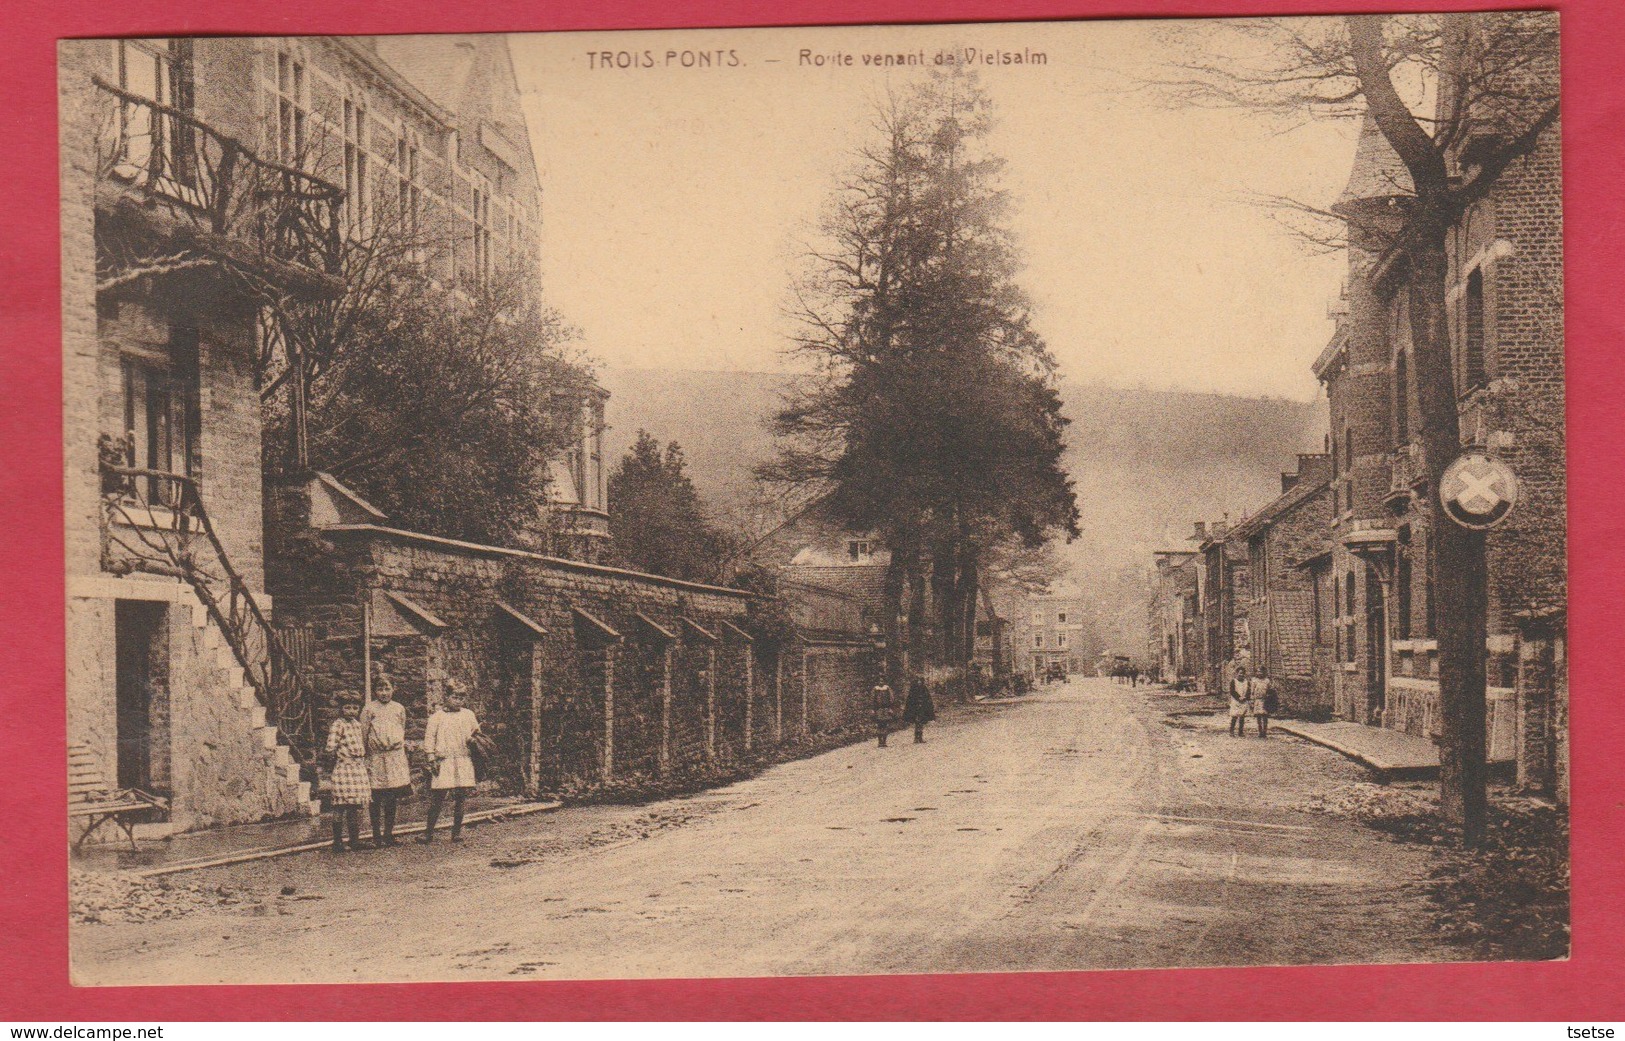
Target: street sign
point(1478, 491)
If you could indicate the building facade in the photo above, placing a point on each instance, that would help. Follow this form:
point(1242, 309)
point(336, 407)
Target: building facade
point(1283, 609)
point(201, 177)
point(1175, 620)
point(1226, 598)
point(1047, 630)
point(1504, 313)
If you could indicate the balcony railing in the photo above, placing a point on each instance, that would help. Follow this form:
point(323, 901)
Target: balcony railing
point(154, 522)
point(278, 213)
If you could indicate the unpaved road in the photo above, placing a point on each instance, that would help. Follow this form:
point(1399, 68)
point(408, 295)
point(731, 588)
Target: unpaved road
point(1082, 827)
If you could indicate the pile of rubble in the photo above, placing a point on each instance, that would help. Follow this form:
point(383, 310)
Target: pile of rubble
point(1364, 800)
point(107, 897)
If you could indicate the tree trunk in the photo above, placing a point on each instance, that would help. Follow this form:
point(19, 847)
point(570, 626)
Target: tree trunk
point(969, 590)
point(896, 623)
point(1459, 564)
point(917, 631)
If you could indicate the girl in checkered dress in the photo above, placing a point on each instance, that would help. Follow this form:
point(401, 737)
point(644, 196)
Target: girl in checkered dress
point(351, 785)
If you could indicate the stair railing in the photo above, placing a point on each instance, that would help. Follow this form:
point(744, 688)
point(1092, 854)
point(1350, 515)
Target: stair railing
point(155, 522)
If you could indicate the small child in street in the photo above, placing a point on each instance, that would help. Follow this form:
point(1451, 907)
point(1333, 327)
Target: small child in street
point(883, 709)
point(445, 741)
point(383, 721)
point(1240, 698)
point(351, 787)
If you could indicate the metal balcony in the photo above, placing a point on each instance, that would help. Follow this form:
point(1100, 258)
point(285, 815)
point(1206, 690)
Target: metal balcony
point(277, 222)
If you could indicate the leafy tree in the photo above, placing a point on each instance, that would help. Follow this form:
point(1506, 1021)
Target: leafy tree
point(932, 418)
point(441, 409)
point(657, 521)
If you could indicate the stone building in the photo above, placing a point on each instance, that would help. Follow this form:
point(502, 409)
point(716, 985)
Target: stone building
point(1175, 619)
point(1505, 331)
point(1283, 610)
point(1226, 598)
point(1048, 630)
point(199, 178)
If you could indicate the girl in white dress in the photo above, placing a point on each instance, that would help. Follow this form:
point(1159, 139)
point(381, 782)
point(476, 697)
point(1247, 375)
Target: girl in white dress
point(446, 744)
point(384, 721)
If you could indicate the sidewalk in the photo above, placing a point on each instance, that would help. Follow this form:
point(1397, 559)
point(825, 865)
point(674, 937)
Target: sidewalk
point(188, 851)
point(1390, 754)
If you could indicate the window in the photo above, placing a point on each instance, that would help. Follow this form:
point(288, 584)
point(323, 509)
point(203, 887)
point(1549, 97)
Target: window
point(409, 186)
point(160, 410)
point(1429, 615)
point(356, 185)
point(158, 145)
point(1402, 399)
point(859, 550)
point(1402, 581)
point(482, 231)
point(1060, 618)
point(1472, 352)
point(1038, 639)
point(1315, 605)
point(292, 109)
point(1348, 612)
point(1060, 639)
point(1038, 616)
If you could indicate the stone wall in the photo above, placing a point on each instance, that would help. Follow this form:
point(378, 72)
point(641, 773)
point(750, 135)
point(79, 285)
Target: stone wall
point(208, 743)
point(630, 675)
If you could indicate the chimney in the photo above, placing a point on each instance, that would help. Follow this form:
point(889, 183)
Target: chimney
point(1201, 531)
point(1218, 528)
point(1288, 481)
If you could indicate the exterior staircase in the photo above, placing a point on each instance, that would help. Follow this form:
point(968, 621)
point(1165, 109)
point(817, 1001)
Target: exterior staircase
point(298, 789)
point(155, 522)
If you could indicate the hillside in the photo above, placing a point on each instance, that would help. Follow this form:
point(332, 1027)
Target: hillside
point(1146, 463)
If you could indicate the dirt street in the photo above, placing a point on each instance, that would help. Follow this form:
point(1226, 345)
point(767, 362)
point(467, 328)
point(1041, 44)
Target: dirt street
point(1085, 826)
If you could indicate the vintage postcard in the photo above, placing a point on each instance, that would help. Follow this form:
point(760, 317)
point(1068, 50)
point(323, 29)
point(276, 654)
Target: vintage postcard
point(819, 501)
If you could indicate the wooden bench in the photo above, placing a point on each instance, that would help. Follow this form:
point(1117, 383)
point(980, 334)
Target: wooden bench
point(91, 797)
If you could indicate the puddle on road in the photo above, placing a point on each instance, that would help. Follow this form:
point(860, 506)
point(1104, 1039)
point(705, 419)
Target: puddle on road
point(895, 820)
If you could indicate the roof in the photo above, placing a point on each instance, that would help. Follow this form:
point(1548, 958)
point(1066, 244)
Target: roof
point(1294, 496)
point(472, 76)
point(1377, 173)
point(865, 583)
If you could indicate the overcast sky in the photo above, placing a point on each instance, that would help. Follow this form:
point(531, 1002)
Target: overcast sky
point(676, 199)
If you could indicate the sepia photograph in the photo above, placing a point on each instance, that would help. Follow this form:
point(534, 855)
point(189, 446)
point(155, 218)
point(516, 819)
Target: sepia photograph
point(784, 502)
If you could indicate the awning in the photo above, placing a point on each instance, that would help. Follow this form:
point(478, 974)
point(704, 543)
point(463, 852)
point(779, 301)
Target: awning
point(732, 631)
point(595, 627)
point(396, 614)
point(656, 630)
point(698, 631)
point(525, 622)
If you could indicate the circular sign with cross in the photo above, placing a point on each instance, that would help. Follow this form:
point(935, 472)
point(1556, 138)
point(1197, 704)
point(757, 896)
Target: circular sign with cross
point(1478, 491)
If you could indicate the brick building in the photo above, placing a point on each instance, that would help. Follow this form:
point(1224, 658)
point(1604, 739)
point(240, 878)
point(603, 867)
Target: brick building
point(198, 177)
point(1505, 331)
point(1283, 610)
